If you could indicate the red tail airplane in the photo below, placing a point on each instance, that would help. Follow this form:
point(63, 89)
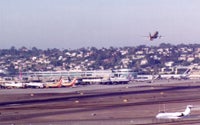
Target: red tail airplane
point(54, 85)
point(72, 83)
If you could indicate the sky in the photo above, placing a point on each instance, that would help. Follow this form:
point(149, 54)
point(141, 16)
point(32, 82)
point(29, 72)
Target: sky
point(72, 24)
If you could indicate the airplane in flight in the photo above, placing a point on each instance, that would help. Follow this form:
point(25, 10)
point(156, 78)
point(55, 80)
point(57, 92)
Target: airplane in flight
point(175, 115)
point(154, 36)
point(69, 84)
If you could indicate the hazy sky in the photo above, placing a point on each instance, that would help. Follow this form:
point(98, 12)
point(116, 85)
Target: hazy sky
point(99, 23)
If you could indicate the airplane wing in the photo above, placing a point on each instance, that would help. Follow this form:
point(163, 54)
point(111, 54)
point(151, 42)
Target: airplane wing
point(181, 115)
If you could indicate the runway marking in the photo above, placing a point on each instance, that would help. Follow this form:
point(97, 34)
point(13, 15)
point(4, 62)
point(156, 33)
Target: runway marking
point(13, 104)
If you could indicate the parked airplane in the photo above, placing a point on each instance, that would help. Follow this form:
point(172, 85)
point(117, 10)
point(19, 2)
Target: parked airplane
point(54, 85)
point(69, 84)
point(13, 84)
point(175, 115)
point(154, 36)
point(35, 85)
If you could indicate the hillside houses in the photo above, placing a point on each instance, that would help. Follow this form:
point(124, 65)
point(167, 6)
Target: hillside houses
point(137, 58)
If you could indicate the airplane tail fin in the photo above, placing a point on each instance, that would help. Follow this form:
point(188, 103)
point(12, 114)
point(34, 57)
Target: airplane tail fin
point(60, 82)
point(72, 83)
point(187, 110)
point(150, 37)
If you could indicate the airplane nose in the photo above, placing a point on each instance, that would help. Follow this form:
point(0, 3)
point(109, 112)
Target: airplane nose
point(157, 116)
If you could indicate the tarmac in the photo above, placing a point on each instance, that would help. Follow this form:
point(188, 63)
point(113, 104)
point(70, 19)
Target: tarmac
point(127, 104)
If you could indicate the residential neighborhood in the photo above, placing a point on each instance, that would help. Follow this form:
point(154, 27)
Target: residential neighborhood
point(143, 59)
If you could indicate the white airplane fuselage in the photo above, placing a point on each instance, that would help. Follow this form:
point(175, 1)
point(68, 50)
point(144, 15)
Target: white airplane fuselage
point(35, 84)
point(174, 115)
point(13, 85)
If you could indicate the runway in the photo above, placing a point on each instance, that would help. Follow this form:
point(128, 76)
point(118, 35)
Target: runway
point(130, 104)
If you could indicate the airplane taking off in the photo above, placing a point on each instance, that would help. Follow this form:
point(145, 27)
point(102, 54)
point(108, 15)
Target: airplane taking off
point(154, 36)
point(175, 115)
